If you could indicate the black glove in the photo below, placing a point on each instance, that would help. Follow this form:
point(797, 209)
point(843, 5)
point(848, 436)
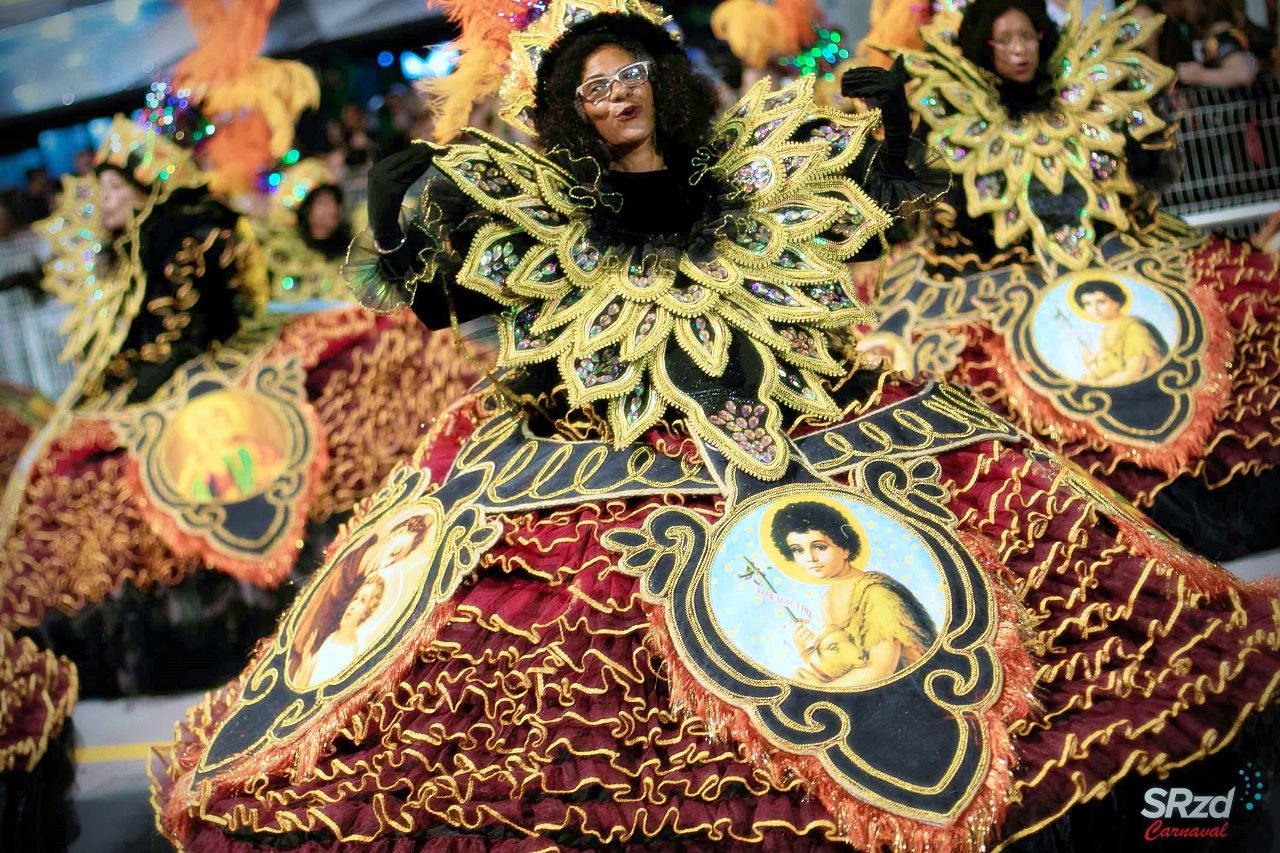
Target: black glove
point(886, 90)
point(389, 179)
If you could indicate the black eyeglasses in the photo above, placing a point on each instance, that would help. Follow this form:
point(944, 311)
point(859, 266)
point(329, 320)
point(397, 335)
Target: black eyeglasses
point(630, 76)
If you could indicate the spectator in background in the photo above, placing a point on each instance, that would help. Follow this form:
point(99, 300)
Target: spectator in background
point(1231, 57)
point(83, 162)
point(353, 137)
point(34, 203)
point(395, 119)
point(8, 222)
point(1174, 43)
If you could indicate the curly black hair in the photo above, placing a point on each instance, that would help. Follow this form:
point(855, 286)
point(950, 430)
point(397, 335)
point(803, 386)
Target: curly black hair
point(980, 17)
point(126, 172)
point(1109, 289)
point(803, 516)
point(684, 101)
point(336, 243)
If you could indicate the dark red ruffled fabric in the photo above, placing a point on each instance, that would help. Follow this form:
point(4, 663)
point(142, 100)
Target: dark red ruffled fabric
point(541, 718)
point(16, 427)
point(82, 532)
point(37, 692)
point(1245, 438)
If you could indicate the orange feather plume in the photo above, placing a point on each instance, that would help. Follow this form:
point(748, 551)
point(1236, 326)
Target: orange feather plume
point(255, 101)
point(484, 45)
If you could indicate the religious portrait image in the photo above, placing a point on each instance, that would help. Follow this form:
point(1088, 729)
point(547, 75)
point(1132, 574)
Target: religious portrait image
point(224, 446)
point(357, 605)
point(823, 589)
point(1104, 329)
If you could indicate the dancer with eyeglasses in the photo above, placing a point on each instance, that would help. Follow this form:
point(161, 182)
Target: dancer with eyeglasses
point(585, 662)
point(1060, 141)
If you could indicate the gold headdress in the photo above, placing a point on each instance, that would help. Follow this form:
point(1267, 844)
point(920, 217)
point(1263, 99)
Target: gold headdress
point(296, 183)
point(1104, 91)
point(501, 45)
point(147, 157)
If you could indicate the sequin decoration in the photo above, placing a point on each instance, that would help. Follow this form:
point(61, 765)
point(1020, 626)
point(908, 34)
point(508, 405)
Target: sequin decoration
point(754, 177)
point(688, 294)
point(752, 236)
point(799, 340)
point(633, 405)
point(791, 165)
point(795, 383)
point(606, 318)
point(990, 186)
point(769, 293)
point(831, 295)
point(497, 261)
point(600, 368)
point(713, 268)
point(761, 133)
point(547, 272)
point(524, 338)
point(1073, 94)
point(794, 215)
point(585, 255)
point(781, 99)
point(790, 259)
point(648, 322)
point(1103, 165)
point(487, 177)
point(744, 424)
point(837, 138)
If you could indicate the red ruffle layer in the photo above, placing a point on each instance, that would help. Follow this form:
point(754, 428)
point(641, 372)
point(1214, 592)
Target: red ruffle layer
point(1244, 436)
point(542, 715)
point(83, 530)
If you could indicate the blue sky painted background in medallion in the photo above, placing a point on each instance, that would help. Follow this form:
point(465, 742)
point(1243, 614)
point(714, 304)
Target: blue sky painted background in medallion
point(1058, 331)
point(761, 628)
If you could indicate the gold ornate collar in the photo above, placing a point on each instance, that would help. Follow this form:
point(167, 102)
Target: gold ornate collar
point(1102, 94)
point(641, 328)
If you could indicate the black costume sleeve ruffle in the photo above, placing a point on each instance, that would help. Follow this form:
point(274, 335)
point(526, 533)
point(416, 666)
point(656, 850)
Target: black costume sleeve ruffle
point(419, 273)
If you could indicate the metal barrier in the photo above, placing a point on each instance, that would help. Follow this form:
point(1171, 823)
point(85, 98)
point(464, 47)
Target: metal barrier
point(22, 252)
point(30, 343)
point(1230, 142)
point(29, 336)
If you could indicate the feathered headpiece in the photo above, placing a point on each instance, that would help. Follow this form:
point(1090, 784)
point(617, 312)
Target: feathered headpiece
point(757, 32)
point(501, 46)
point(146, 156)
point(257, 100)
point(296, 183)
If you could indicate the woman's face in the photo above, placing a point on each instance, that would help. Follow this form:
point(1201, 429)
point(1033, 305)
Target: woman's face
point(814, 552)
point(1015, 46)
point(324, 216)
point(117, 199)
point(625, 118)
point(362, 604)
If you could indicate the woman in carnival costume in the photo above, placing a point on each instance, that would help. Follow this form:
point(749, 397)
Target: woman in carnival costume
point(198, 433)
point(1060, 142)
point(305, 234)
point(593, 644)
